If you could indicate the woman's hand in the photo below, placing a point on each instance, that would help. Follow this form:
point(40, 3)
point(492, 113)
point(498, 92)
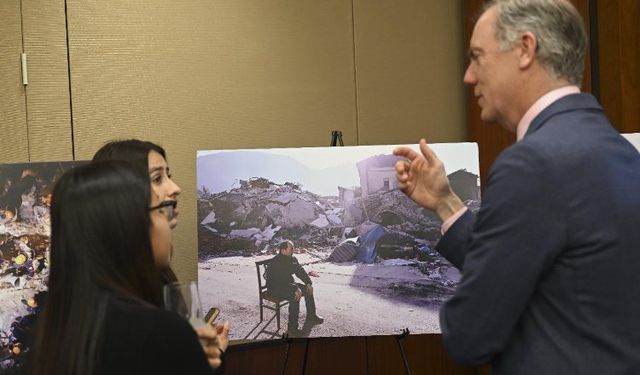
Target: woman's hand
point(215, 340)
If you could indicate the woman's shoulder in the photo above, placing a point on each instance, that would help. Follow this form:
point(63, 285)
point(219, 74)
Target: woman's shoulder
point(157, 340)
point(143, 317)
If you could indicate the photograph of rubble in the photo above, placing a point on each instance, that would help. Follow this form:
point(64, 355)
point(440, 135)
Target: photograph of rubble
point(25, 198)
point(366, 248)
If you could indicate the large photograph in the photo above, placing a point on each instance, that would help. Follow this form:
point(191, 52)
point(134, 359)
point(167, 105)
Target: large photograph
point(25, 198)
point(320, 242)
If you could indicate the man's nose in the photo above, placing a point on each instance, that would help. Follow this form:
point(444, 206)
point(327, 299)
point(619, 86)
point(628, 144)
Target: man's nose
point(469, 77)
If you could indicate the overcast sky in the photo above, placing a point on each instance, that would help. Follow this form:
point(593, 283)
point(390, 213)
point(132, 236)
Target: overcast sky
point(454, 155)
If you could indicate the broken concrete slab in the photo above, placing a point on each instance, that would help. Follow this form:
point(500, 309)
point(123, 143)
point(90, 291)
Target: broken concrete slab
point(320, 222)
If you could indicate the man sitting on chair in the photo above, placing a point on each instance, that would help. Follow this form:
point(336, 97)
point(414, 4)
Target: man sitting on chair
point(280, 284)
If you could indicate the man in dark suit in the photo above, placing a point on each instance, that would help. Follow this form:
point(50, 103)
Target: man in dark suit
point(550, 281)
point(280, 283)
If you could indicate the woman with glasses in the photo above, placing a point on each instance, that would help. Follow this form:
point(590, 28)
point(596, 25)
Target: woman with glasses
point(150, 157)
point(104, 311)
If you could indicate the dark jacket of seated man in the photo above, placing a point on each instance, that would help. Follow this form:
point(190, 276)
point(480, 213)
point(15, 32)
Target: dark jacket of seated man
point(280, 284)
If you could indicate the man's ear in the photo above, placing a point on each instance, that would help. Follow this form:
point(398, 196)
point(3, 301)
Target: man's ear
point(528, 47)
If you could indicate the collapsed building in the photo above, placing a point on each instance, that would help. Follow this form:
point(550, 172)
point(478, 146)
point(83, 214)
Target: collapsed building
point(374, 219)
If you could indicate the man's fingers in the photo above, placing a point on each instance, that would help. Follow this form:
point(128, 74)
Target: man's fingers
point(405, 152)
point(402, 172)
point(428, 153)
point(402, 166)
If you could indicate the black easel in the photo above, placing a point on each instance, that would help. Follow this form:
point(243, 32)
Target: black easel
point(336, 137)
point(399, 339)
point(286, 352)
point(306, 352)
point(289, 340)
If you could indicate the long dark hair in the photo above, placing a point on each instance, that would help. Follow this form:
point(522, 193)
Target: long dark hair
point(100, 248)
point(136, 152)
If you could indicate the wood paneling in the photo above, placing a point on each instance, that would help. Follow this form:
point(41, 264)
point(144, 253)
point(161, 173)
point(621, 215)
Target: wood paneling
point(349, 355)
point(619, 55)
point(425, 355)
point(324, 356)
point(583, 8)
point(15, 143)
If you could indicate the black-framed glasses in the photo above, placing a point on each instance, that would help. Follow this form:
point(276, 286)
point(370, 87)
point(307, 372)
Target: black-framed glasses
point(168, 209)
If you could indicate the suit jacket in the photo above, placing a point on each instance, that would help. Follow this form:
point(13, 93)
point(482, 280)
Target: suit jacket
point(550, 265)
point(279, 277)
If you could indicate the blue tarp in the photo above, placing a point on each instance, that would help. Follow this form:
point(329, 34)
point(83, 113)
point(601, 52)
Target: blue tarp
point(367, 249)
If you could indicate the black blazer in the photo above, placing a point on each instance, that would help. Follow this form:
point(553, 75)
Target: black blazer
point(551, 264)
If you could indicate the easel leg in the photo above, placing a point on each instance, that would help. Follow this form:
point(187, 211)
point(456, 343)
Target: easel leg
point(286, 353)
point(399, 339)
point(306, 353)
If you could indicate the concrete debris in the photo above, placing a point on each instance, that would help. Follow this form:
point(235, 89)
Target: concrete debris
point(285, 198)
point(334, 219)
point(268, 233)
point(320, 222)
point(213, 230)
point(244, 233)
point(398, 262)
point(256, 216)
point(210, 219)
point(296, 213)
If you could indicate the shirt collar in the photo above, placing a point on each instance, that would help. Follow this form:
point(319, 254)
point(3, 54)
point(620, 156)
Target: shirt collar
point(543, 102)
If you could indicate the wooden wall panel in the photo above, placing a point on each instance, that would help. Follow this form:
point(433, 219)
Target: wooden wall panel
point(424, 353)
point(13, 119)
point(48, 106)
point(619, 55)
point(348, 355)
point(409, 71)
point(583, 8)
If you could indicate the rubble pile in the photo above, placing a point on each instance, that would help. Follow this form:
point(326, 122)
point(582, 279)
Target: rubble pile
point(250, 217)
point(398, 213)
point(259, 213)
point(24, 245)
